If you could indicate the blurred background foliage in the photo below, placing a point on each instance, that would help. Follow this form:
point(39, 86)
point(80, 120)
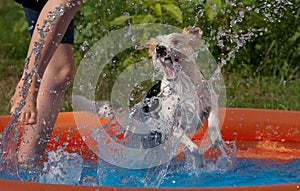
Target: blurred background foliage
point(259, 39)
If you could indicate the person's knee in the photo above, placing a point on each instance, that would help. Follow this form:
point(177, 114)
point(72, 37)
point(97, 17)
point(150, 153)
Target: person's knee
point(63, 65)
point(65, 75)
point(67, 72)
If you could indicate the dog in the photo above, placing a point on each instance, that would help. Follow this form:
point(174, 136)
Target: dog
point(178, 103)
point(183, 98)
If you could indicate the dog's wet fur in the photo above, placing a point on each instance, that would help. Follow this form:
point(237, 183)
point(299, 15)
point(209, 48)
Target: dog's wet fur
point(175, 55)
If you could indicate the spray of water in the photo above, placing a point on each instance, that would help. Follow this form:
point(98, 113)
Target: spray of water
point(228, 38)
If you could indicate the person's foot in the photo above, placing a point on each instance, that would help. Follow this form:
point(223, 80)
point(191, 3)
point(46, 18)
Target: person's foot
point(28, 112)
point(31, 162)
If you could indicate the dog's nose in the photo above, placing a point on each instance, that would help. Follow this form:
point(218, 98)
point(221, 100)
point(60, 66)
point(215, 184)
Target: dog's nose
point(161, 51)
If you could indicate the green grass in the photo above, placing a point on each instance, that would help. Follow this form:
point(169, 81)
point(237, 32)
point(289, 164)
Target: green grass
point(245, 87)
point(262, 92)
point(13, 45)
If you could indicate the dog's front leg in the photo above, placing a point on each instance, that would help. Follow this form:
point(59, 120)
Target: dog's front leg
point(180, 134)
point(213, 129)
point(214, 123)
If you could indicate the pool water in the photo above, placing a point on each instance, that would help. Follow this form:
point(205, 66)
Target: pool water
point(71, 169)
point(177, 173)
point(245, 172)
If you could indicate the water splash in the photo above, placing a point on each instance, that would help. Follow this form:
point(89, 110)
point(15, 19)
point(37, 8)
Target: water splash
point(163, 121)
point(62, 168)
point(230, 38)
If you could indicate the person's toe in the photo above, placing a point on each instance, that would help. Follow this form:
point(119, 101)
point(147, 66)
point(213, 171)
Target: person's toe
point(22, 117)
point(12, 110)
point(32, 119)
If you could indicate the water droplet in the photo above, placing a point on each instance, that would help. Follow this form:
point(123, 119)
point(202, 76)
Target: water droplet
point(43, 121)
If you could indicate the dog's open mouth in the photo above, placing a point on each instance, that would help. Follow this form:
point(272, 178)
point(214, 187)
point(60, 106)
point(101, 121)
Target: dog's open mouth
point(168, 61)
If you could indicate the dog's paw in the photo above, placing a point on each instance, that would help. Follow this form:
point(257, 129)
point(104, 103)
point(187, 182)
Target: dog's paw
point(214, 129)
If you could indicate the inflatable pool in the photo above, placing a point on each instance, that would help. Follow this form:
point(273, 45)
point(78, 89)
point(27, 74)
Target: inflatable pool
point(259, 134)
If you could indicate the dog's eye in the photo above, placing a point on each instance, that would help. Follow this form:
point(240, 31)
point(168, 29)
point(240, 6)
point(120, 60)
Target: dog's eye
point(161, 50)
point(175, 42)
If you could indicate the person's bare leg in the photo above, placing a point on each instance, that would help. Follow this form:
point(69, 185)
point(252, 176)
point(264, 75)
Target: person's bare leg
point(56, 79)
point(28, 113)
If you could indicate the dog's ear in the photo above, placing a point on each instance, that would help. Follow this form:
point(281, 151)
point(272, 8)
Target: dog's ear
point(194, 34)
point(192, 31)
point(150, 45)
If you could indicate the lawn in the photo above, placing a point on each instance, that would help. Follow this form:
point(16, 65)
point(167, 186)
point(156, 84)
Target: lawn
point(245, 86)
point(13, 43)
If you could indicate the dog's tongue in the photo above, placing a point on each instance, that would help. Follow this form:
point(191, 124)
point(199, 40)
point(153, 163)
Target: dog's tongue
point(169, 71)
